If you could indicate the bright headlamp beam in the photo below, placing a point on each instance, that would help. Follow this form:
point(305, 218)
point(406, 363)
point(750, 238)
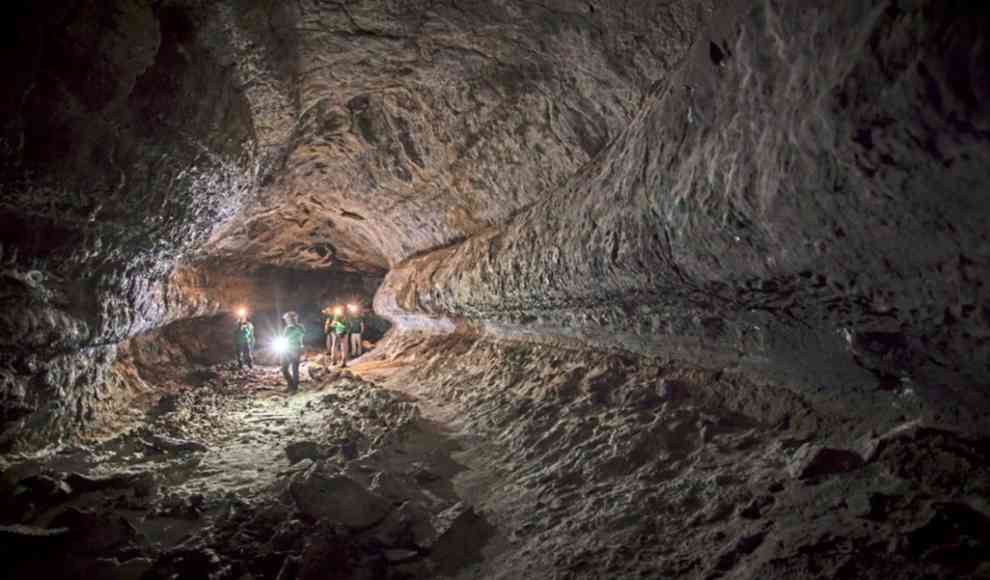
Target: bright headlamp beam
point(280, 345)
point(242, 312)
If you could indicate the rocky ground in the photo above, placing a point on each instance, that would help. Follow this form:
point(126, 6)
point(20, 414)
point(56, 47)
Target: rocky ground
point(604, 466)
point(231, 477)
point(463, 458)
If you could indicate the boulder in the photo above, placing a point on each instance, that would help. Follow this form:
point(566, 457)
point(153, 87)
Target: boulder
point(300, 450)
point(464, 535)
point(44, 486)
point(26, 549)
point(909, 435)
point(301, 466)
point(93, 532)
point(171, 444)
point(812, 461)
point(317, 372)
point(331, 553)
point(18, 537)
point(391, 486)
point(85, 483)
point(144, 484)
point(407, 526)
point(339, 499)
point(755, 508)
point(109, 569)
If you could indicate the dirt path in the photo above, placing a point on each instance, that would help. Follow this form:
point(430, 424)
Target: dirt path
point(219, 480)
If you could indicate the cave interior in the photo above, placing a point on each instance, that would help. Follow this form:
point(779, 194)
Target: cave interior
point(682, 289)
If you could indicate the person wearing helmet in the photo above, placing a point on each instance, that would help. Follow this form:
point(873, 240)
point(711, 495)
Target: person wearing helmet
point(357, 328)
point(294, 333)
point(244, 341)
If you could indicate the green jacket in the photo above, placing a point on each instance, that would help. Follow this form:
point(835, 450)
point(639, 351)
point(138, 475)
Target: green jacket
point(339, 326)
point(295, 334)
point(357, 325)
point(244, 334)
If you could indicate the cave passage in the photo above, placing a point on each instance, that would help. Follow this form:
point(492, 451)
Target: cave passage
point(682, 289)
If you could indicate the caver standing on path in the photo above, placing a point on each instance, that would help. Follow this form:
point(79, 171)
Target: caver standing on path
point(357, 328)
point(293, 335)
point(331, 313)
point(244, 341)
point(341, 328)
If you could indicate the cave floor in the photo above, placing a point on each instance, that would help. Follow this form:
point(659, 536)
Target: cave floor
point(464, 459)
point(218, 468)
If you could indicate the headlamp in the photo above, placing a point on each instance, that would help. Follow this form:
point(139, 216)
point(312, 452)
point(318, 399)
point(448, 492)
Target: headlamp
point(242, 312)
point(280, 345)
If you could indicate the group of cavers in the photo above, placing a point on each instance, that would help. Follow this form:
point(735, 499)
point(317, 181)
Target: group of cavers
point(344, 328)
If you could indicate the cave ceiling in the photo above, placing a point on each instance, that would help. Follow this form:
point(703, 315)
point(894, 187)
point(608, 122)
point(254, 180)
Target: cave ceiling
point(387, 129)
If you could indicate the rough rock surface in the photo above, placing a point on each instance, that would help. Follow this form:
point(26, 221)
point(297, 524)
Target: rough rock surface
point(201, 488)
point(586, 470)
point(476, 459)
point(301, 134)
point(752, 183)
point(338, 498)
point(680, 289)
point(404, 126)
point(124, 143)
point(805, 194)
point(94, 384)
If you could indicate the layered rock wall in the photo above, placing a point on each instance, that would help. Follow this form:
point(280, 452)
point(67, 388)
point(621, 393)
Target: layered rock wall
point(806, 195)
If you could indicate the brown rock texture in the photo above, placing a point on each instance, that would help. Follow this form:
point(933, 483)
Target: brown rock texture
point(678, 289)
point(124, 143)
point(305, 135)
point(804, 195)
point(404, 126)
point(593, 471)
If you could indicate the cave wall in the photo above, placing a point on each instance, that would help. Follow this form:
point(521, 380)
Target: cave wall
point(805, 196)
point(198, 304)
point(124, 142)
point(138, 135)
point(795, 189)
